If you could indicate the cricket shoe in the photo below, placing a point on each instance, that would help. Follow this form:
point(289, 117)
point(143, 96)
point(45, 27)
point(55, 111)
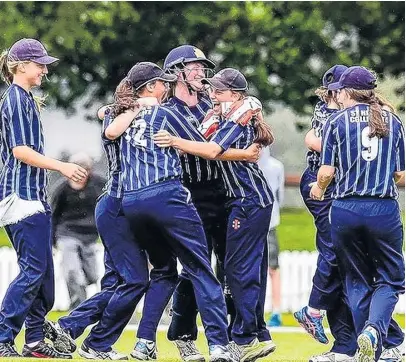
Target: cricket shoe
point(395, 354)
point(267, 348)
point(144, 350)
point(90, 353)
point(332, 357)
point(219, 354)
point(312, 325)
point(8, 350)
point(44, 350)
point(252, 351)
point(188, 351)
point(367, 345)
point(60, 338)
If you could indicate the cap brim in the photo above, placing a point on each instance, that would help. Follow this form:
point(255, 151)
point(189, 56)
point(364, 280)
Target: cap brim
point(45, 60)
point(215, 83)
point(335, 86)
point(168, 77)
point(164, 77)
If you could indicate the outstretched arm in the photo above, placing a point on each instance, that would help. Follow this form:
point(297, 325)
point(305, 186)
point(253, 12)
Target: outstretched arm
point(250, 154)
point(208, 150)
point(118, 126)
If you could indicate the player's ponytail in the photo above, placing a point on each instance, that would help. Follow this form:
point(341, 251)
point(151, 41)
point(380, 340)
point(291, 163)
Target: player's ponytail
point(264, 132)
point(384, 103)
point(124, 98)
point(5, 71)
point(376, 123)
point(325, 95)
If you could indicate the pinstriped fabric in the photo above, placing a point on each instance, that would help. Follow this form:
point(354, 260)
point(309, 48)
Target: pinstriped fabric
point(196, 169)
point(321, 114)
point(114, 186)
point(364, 165)
point(242, 179)
point(21, 126)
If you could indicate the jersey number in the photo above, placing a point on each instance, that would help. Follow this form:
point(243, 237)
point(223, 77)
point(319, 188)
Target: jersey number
point(137, 132)
point(369, 144)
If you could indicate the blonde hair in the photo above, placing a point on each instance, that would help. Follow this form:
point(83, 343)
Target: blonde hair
point(8, 68)
point(385, 103)
point(376, 122)
point(323, 94)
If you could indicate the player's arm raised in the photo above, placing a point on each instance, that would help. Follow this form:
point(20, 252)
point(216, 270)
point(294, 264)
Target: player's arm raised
point(120, 123)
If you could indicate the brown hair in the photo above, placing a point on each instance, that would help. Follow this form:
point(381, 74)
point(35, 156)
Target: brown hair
point(376, 122)
point(124, 98)
point(264, 132)
point(8, 68)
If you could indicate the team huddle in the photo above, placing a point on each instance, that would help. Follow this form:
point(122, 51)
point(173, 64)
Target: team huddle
point(182, 147)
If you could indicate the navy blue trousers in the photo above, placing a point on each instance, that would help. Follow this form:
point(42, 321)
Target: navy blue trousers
point(209, 200)
point(245, 265)
point(31, 295)
point(167, 207)
point(129, 261)
point(368, 235)
point(327, 290)
point(113, 228)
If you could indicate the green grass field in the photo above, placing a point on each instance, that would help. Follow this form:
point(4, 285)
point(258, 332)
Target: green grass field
point(291, 347)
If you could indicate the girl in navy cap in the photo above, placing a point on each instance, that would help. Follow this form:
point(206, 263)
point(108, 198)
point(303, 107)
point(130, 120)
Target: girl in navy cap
point(24, 210)
point(203, 178)
point(155, 200)
point(363, 146)
point(249, 207)
point(326, 293)
point(126, 277)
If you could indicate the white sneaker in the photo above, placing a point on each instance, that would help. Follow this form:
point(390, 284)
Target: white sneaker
point(188, 351)
point(367, 345)
point(89, 353)
point(393, 354)
point(144, 350)
point(332, 357)
point(219, 354)
point(252, 351)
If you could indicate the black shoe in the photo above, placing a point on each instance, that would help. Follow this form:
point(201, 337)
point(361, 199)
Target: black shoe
point(8, 350)
point(60, 338)
point(44, 350)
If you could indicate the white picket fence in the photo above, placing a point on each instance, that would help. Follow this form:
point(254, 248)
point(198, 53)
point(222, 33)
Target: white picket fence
point(296, 267)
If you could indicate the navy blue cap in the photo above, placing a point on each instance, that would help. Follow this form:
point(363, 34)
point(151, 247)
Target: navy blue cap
point(356, 77)
point(186, 54)
point(333, 74)
point(145, 72)
point(30, 49)
point(227, 78)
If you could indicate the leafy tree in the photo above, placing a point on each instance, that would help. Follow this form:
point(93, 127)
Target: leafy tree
point(282, 47)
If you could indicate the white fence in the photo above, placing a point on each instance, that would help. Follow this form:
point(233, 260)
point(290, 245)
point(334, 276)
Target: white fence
point(297, 269)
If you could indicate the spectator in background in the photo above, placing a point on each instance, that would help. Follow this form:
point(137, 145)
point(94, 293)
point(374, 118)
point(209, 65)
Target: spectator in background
point(74, 228)
point(273, 171)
